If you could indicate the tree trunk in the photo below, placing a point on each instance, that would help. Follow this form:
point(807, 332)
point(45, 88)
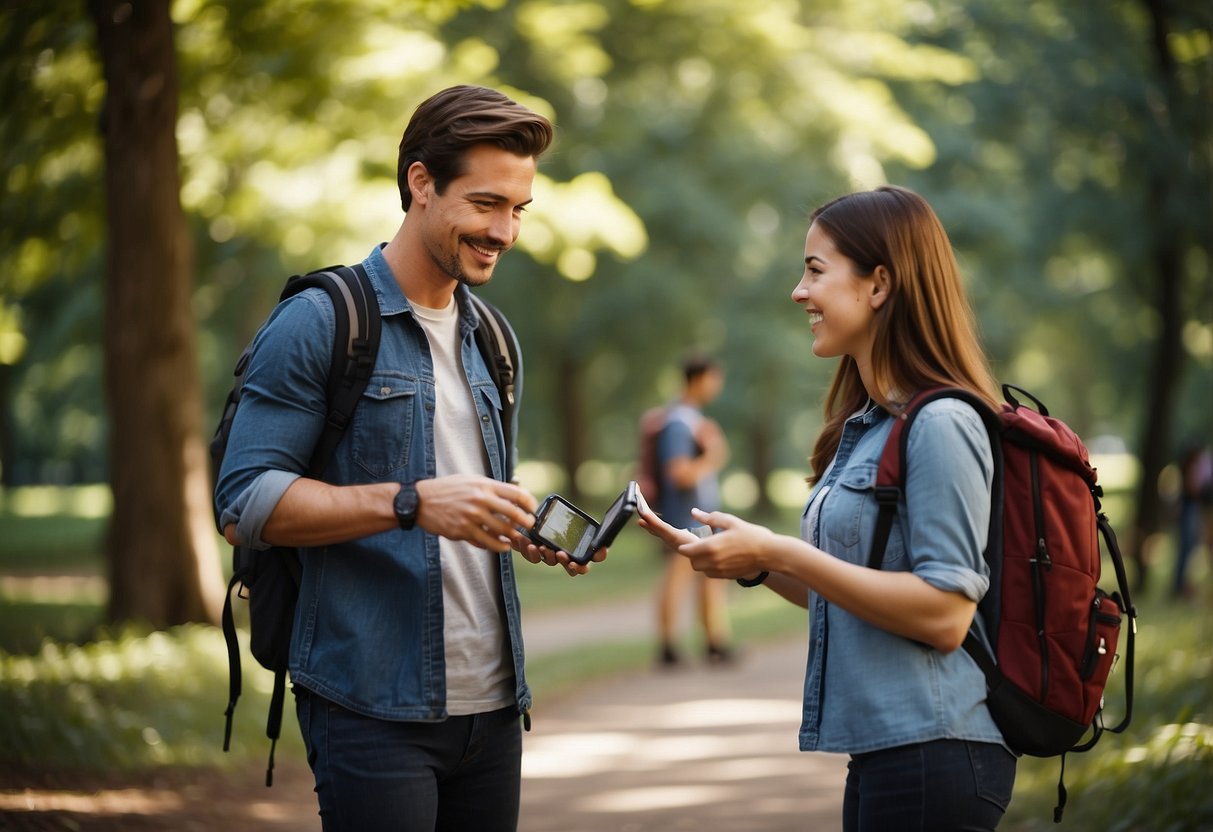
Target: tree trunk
point(1169, 238)
point(1163, 388)
point(163, 559)
point(760, 459)
point(8, 446)
point(573, 439)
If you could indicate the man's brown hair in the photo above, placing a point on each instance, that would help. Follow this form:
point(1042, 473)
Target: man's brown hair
point(446, 124)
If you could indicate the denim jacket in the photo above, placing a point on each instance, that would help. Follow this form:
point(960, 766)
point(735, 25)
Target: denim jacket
point(866, 688)
point(368, 628)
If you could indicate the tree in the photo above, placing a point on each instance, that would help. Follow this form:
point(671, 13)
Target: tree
point(1179, 220)
point(719, 124)
point(161, 545)
point(1077, 169)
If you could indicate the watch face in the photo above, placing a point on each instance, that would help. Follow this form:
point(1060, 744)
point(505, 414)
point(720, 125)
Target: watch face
point(406, 506)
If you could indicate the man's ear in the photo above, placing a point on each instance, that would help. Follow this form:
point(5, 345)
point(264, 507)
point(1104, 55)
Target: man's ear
point(882, 283)
point(420, 183)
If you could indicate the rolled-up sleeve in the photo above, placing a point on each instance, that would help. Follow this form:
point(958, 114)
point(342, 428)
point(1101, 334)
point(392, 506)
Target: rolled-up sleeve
point(949, 471)
point(280, 417)
point(254, 505)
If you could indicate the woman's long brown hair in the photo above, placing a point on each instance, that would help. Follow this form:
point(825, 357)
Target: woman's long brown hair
point(925, 331)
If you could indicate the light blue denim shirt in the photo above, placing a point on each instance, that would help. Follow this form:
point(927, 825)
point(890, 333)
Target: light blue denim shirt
point(368, 626)
point(865, 688)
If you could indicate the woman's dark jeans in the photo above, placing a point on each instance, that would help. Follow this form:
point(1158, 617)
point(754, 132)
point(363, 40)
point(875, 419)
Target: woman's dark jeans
point(372, 774)
point(928, 787)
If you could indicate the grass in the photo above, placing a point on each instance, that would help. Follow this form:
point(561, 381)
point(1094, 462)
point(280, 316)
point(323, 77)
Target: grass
point(50, 545)
point(137, 700)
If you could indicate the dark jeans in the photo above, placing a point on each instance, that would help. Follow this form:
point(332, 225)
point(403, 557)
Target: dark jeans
point(372, 774)
point(928, 787)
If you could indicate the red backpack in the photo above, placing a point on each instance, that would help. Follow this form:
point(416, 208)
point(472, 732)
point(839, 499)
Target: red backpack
point(1054, 631)
point(652, 422)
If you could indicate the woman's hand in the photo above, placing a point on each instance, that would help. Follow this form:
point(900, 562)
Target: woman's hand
point(737, 550)
point(671, 536)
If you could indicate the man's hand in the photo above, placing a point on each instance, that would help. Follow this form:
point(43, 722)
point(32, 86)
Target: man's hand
point(544, 555)
point(479, 510)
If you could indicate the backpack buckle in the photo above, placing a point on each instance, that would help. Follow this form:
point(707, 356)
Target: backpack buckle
point(887, 495)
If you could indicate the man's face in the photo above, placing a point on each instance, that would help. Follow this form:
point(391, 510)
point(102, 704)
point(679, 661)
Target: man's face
point(477, 218)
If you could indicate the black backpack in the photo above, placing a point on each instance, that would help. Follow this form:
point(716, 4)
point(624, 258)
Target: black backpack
point(269, 579)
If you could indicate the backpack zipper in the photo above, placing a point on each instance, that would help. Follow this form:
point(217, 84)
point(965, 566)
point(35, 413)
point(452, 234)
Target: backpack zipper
point(1096, 644)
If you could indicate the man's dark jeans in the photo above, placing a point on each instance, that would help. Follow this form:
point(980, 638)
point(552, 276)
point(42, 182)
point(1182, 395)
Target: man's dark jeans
point(373, 774)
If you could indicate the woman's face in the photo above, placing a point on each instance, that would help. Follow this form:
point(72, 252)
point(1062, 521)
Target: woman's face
point(840, 304)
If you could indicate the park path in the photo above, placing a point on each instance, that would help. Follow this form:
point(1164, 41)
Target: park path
point(705, 748)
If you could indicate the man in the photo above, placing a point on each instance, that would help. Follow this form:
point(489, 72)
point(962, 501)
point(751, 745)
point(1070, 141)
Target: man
point(406, 655)
point(691, 450)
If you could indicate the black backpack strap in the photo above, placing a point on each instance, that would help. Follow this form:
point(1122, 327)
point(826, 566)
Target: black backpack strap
point(1126, 602)
point(499, 346)
point(233, 661)
point(273, 721)
point(355, 347)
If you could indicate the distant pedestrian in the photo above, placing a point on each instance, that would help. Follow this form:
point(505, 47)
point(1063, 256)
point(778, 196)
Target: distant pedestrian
point(691, 451)
point(885, 682)
point(1195, 502)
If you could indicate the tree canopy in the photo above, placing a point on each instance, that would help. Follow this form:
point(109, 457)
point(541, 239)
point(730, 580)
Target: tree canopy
point(1066, 147)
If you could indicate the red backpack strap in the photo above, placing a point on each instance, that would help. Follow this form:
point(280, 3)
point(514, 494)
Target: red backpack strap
point(890, 479)
point(890, 474)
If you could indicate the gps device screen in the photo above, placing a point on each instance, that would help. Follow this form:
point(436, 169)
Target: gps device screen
point(566, 528)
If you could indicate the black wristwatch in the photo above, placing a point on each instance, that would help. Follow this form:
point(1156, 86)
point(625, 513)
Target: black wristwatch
point(407, 503)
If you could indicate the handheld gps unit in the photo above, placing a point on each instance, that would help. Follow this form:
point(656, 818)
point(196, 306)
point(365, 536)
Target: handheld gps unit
point(563, 526)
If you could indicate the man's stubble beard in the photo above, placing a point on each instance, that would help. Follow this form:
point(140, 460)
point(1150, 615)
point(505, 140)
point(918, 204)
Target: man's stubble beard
point(452, 267)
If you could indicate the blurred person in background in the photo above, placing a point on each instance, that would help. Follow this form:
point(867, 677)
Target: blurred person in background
point(1195, 504)
point(691, 451)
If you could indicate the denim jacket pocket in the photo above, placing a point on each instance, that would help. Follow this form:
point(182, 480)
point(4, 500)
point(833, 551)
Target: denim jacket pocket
point(845, 516)
point(851, 519)
point(383, 425)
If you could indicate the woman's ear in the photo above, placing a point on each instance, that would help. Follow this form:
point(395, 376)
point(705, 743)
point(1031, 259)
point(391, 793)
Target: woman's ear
point(882, 283)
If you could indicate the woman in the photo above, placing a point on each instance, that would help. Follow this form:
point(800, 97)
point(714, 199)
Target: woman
point(885, 681)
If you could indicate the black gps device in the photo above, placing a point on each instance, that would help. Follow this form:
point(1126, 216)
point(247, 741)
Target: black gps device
point(561, 525)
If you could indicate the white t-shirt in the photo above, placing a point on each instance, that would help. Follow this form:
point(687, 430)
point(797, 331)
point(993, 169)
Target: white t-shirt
point(479, 671)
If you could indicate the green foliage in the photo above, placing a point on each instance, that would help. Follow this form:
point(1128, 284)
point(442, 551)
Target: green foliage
point(51, 231)
point(51, 544)
point(707, 130)
point(25, 624)
point(130, 701)
point(1051, 182)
